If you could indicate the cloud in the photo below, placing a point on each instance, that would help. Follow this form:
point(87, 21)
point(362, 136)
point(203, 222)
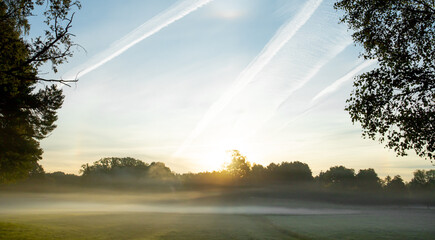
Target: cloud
point(228, 10)
point(282, 36)
point(336, 85)
point(149, 28)
point(329, 90)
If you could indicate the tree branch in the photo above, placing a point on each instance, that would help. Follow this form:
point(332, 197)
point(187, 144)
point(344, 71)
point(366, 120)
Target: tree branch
point(51, 44)
point(64, 82)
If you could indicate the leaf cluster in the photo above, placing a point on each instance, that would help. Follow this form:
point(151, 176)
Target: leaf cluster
point(28, 110)
point(395, 103)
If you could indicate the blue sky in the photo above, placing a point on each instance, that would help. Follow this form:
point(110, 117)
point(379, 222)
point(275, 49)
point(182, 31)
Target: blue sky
point(185, 81)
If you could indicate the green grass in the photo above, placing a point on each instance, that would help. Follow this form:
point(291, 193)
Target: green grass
point(138, 226)
point(383, 225)
point(410, 225)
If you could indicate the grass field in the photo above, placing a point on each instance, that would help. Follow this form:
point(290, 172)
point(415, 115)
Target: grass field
point(409, 225)
point(27, 218)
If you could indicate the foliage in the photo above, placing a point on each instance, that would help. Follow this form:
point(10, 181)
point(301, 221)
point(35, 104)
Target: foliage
point(158, 170)
point(28, 110)
point(423, 180)
point(258, 174)
point(395, 102)
point(63, 178)
point(286, 179)
point(208, 179)
point(37, 172)
point(290, 171)
point(113, 165)
point(339, 177)
point(125, 168)
point(395, 185)
point(238, 167)
point(368, 180)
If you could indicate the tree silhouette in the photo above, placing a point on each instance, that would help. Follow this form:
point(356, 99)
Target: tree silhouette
point(289, 171)
point(338, 177)
point(395, 185)
point(368, 180)
point(423, 180)
point(258, 174)
point(28, 110)
point(395, 102)
point(125, 168)
point(238, 167)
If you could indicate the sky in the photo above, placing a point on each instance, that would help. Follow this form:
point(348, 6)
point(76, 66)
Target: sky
point(183, 82)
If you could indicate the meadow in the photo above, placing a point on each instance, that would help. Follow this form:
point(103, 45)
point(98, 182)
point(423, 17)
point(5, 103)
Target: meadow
point(193, 215)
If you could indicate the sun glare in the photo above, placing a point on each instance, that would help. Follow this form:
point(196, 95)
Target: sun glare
point(216, 157)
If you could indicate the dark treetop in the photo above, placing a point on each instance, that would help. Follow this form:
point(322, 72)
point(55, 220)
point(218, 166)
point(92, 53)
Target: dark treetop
point(395, 102)
point(28, 109)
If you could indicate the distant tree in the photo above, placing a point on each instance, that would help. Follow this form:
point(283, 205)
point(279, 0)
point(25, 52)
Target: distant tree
point(385, 181)
point(57, 174)
point(60, 177)
point(423, 181)
point(113, 166)
point(338, 177)
point(238, 167)
point(290, 171)
point(395, 102)
point(159, 170)
point(208, 179)
point(368, 180)
point(395, 185)
point(125, 170)
point(272, 167)
point(258, 174)
point(28, 110)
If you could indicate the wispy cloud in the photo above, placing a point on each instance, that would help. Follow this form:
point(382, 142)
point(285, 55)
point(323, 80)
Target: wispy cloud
point(302, 70)
point(282, 36)
point(336, 85)
point(149, 28)
point(337, 49)
point(329, 90)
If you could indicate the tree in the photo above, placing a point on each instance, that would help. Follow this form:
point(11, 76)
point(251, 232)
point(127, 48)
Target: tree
point(368, 180)
point(290, 171)
point(423, 180)
point(28, 102)
point(338, 176)
point(115, 167)
point(258, 174)
point(238, 167)
point(37, 171)
point(125, 168)
point(395, 102)
point(159, 170)
point(395, 185)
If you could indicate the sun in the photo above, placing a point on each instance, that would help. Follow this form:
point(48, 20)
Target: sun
point(216, 157)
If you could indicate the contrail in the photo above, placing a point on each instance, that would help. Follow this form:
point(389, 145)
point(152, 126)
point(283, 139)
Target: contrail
point(330, 89)
point(150, 27)
point(281, 37)
point(334, 86)
point(332, 54)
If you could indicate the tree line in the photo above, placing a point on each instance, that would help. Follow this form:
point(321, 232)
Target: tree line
point(130, 173)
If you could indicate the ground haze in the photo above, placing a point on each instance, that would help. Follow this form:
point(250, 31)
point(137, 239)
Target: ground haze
point(210, 214)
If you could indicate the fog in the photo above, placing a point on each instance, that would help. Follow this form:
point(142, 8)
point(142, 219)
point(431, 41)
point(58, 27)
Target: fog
point(184, 202)
point(237, 213)
point(34, 203)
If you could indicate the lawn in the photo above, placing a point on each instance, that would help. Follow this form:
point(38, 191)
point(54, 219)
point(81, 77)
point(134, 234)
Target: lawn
point(386, 224)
